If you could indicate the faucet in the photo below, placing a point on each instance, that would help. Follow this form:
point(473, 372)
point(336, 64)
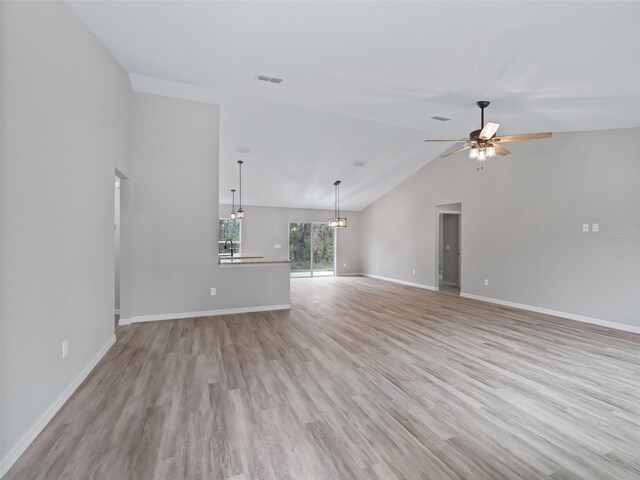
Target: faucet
point(225, 246)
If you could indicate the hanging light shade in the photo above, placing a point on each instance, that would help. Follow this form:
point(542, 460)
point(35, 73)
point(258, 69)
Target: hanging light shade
point(233, 215)
point(337, 221)
point(240, 212)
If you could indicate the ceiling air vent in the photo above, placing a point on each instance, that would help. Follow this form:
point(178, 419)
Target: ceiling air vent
point(243, 149)
point(440, 119)
point(266, 78)
point(359, 163)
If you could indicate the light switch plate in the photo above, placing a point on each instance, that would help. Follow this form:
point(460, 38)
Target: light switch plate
point(448, 247)
point(585, 227)
point(277, 245)
point(65, 348)
point(595, 227)
point(213, 291)
point(486, 282)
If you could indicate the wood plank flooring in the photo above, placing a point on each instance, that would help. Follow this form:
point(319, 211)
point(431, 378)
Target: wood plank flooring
point(362, 379)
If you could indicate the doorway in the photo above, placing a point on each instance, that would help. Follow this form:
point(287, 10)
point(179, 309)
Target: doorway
point(311, 249)
point(448, 257)
point(116, 240)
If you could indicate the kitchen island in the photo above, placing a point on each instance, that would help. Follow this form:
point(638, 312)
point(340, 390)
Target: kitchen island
point(268, 280)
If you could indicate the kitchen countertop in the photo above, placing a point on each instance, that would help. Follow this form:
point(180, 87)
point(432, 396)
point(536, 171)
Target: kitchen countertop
point(249, 260)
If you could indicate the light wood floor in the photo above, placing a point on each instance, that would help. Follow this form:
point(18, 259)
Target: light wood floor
point(362, 379)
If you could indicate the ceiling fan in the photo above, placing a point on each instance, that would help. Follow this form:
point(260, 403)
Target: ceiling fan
point(483, 143)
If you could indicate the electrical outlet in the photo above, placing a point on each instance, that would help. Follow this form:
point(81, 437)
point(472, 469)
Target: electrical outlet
point(486, 282)
point(585, 227)
point(344, 265)
point(448, 247)
point(595, 227)
point(376, 267)
point(414, 271)
point(213, 291)
point(277, 245)
point(65, 349)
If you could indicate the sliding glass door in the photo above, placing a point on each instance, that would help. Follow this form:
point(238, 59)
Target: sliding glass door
point(311, 249)
point(300, 248)
point(322, 249)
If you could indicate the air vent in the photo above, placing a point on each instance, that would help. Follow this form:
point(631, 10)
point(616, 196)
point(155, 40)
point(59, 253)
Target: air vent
point(359, 163)
point(441, 119)
point(243, 149)
point(266, 78)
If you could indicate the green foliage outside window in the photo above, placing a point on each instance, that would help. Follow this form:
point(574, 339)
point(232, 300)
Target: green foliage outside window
point(303, 237)
point(228, 230)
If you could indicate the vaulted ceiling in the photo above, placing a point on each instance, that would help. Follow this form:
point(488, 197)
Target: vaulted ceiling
point(362, 79)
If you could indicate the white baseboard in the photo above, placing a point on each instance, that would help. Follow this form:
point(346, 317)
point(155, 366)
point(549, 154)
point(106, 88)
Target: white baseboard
point(14, 454)
point(402, 282)
point(209, 313)
point(123, 322)
point(556, 313)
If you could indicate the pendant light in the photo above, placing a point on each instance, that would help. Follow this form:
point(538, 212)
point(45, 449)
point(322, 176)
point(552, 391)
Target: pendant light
point(233, 215)
point(337, 221)
point(240, 212)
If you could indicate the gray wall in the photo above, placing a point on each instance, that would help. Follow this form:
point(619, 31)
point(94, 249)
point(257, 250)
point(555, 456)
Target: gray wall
point(264, 227)
point(522, 224)
point(174, 217)
point(65, 115)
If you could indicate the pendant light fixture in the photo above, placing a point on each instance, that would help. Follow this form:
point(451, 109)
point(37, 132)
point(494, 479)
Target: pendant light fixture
point(233, 215)
point(240, 212)
point(337, 221)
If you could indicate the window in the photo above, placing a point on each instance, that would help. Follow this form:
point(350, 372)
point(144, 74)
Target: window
point(228, 230)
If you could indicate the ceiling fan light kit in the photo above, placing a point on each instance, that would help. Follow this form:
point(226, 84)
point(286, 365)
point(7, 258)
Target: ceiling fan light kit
point(483, 143)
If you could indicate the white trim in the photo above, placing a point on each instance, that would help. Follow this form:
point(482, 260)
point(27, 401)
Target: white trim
point(556, 313)
point(123, 322)
point(209, 313)
point(402, 282)
point(19, 448)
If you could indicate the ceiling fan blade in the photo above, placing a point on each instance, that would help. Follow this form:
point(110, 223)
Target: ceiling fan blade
point(456, 140)
point(457, 148)
point(489, 130)
point(500, 150)
point(522, 136)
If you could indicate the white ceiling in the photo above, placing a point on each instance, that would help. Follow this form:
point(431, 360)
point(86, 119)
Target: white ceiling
point(362, 79)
